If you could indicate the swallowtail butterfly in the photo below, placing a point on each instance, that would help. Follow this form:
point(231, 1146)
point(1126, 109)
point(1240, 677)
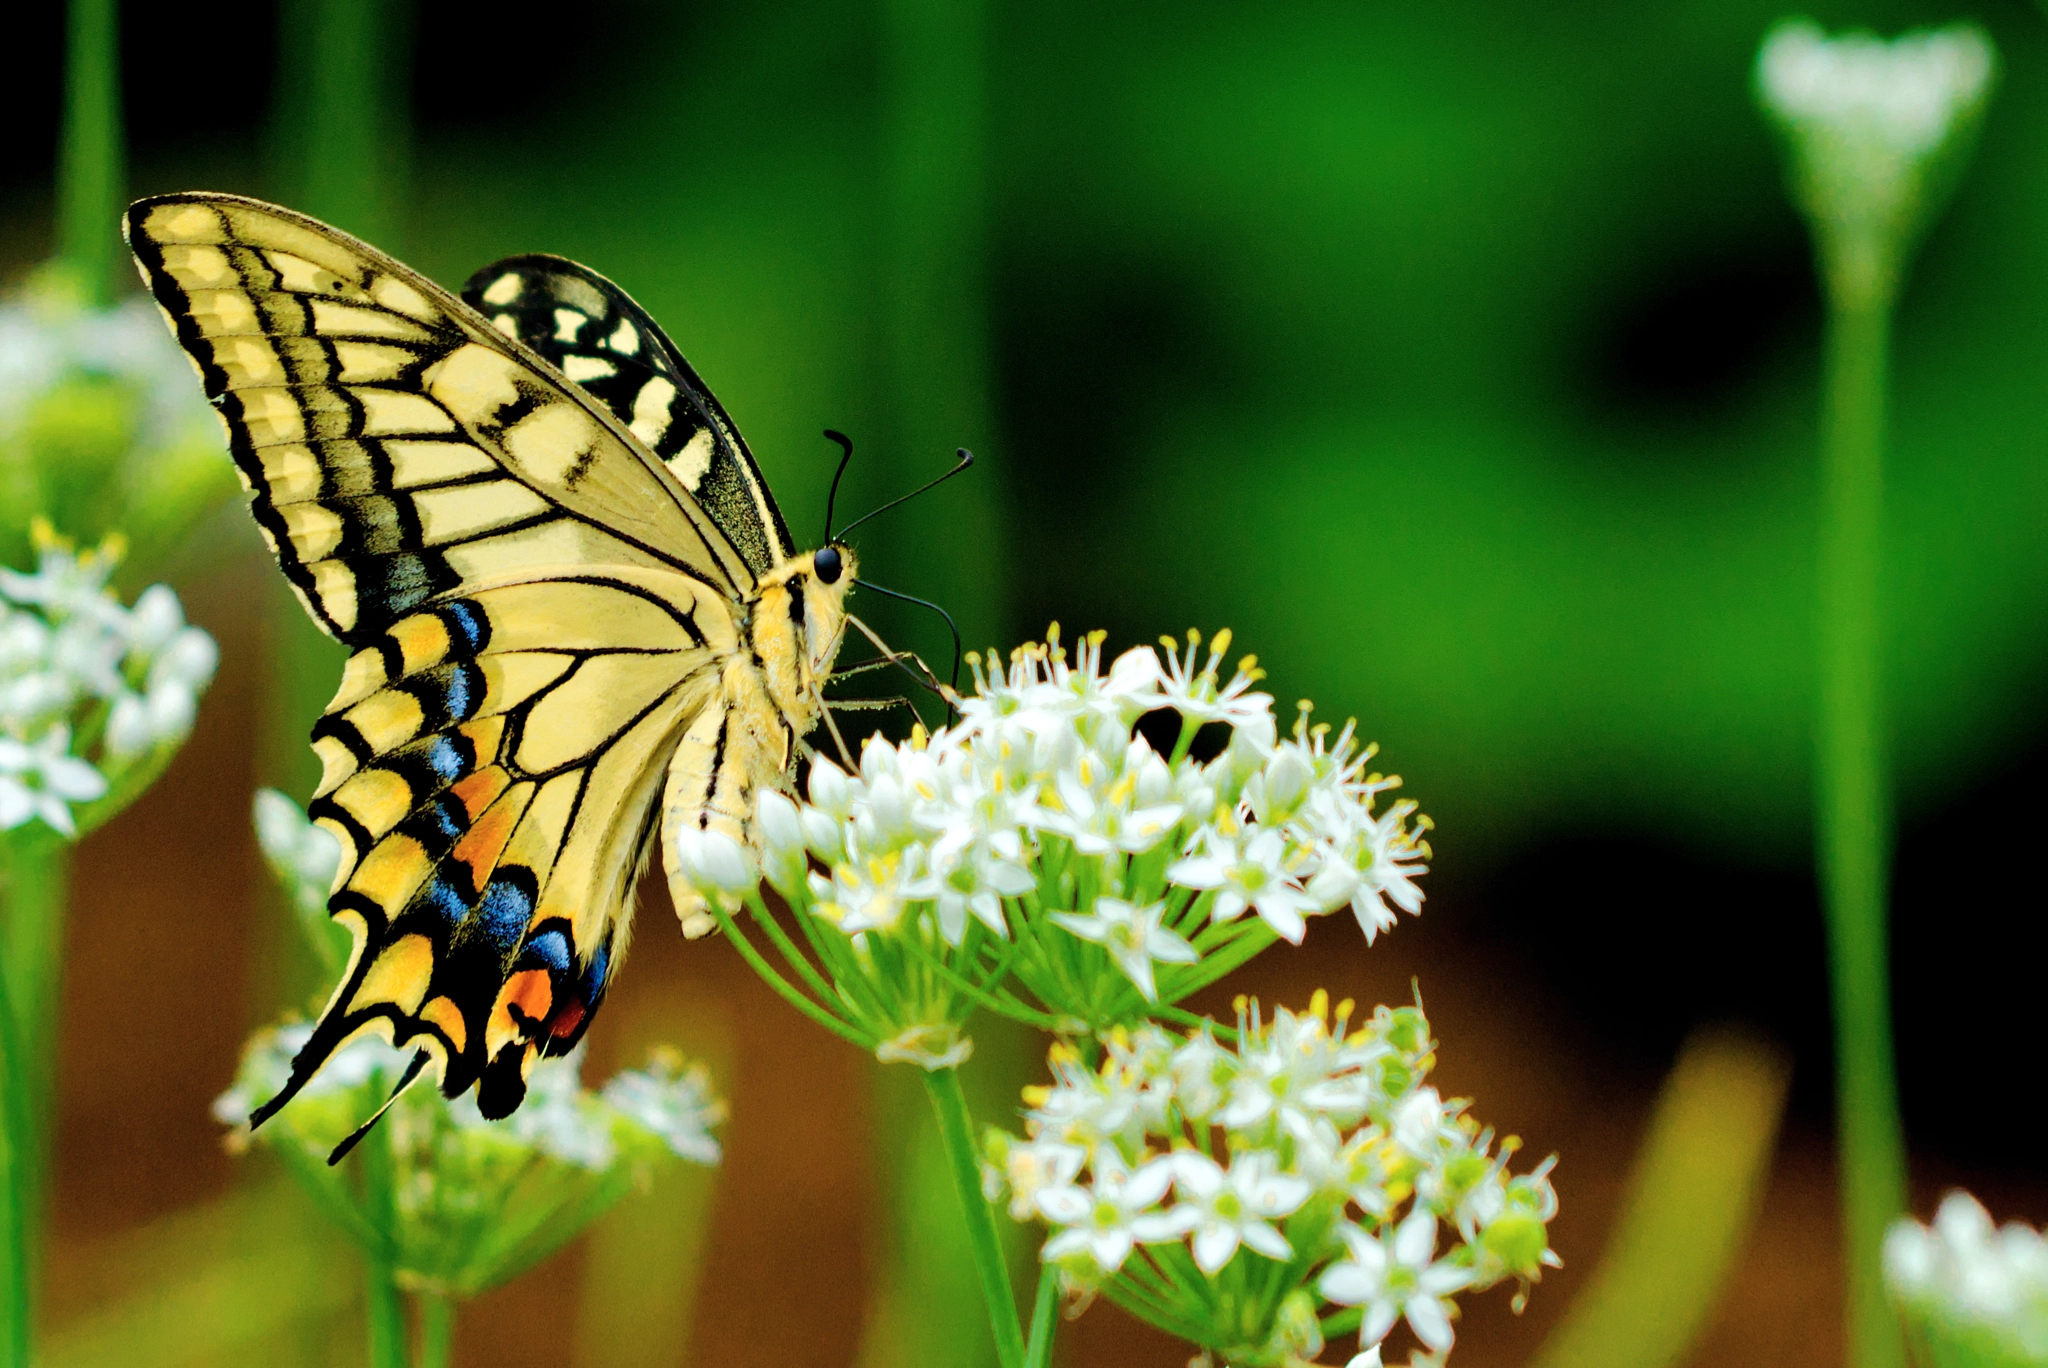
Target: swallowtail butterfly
point(574, 609)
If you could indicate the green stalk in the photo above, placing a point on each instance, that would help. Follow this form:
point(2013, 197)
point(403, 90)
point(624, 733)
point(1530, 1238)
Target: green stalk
point(956, 1134)
point(437, 1330)
point(384, 1307)
point(1852, 808)
point(90, 156)
point(14, 1256)
point(35, 872)
point(1038, 1351)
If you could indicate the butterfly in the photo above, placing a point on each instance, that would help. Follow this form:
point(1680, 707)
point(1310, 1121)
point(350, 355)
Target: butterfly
point(573, 607)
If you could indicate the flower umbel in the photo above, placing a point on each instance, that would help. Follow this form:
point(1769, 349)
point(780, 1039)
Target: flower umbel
point(95, 696)
point(1971, 1293)
point(1223, 1192)
point(1051, 858)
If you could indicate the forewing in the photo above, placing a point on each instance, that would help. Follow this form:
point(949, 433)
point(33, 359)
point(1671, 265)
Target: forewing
point(397, 446)
point(491, 769)
point(594, 333)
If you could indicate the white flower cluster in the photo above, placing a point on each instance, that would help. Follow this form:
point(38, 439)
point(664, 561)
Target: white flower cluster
point(45, 337)
point(1309, 1144)
point(1047, 805)
point(88, 687)
point(1966, 1284)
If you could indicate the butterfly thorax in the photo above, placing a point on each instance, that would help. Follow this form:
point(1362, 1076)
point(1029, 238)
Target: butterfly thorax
point(794, 624)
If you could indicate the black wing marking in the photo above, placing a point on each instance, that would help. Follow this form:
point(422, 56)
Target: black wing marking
point(594, 333)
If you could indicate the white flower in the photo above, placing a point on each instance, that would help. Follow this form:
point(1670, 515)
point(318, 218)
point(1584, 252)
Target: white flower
point(1105, 808)
point(303, 855)
point(714, 863)
point(1394, 1279)
point(673, 1102)
point(785, 857)
point(1194, 694)
point(41, 779)
point(1426, 1126)
point(1228, 1207)
point(1248, 870)
point(1102, 1221)
point(866, 894)
point(1029, 1169)
point(1903, 96)
point(1972, 1278)
point(1868, 120)
point(1133, 936)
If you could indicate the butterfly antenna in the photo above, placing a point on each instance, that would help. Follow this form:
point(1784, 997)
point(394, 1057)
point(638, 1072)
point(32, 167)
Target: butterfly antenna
point(966, 459)
point(951, 626)
point(846, 445)
point(412, 1071)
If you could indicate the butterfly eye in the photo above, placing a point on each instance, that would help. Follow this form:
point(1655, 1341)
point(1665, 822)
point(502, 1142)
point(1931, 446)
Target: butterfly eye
point(828, 565)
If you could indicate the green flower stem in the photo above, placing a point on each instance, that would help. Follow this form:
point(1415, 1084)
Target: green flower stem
point(385, 1308)
point(783, 988)
point(956, 1133)
point(1852, 811)
point(33, 880)
point(1038, 1350)
point(89, 165)
point(437, 1330)
point(14, 1257)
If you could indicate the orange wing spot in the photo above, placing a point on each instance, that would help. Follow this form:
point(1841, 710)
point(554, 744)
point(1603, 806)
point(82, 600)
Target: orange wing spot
point(399, 976)
point(445, 1016)
point(395, 867)
point(532, 993)
point(478, 791)
point(485, 840)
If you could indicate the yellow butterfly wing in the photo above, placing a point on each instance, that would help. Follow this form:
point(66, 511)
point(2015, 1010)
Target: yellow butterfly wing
point(537, 608)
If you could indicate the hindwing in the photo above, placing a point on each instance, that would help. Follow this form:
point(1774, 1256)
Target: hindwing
point(492, 765)
point(594, 333)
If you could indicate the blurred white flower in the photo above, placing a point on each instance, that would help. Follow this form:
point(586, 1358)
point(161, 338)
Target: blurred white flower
point(1105, 1219)
point(90, 690)
point(1226, 1207)
point(1962, 1278)
point(1869, 123)
point(1394, 1278)
point(42, 779)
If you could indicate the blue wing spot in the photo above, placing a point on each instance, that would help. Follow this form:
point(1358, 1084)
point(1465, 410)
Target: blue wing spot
point(447, 759)
point(506, 908)
point(550, 949)
point(465, 692)
point(467, 625)
point(448, 901)
point(448, 818)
